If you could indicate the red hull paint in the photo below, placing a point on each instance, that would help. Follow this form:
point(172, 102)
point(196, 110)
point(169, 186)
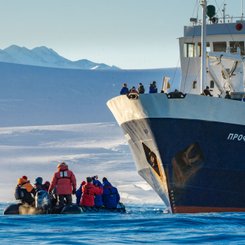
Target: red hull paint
point(182, 209)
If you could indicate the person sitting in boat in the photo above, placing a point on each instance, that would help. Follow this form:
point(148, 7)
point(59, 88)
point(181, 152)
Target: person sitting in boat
point(38, 185)
point(24, 191)
point(89, 191)
point(153, 87)
point(46, 185)
point(64, 181)
point(95, 178)
point(79, 192)
point(42, 201)
point(207, 92)
point(98, 202)
point(110, 195)
point(124, 89)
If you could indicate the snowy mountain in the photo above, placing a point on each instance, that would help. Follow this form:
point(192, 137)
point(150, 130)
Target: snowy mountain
point(46, 57)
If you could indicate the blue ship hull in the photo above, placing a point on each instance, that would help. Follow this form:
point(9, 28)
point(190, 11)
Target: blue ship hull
point(203, 163)
point(190, 150)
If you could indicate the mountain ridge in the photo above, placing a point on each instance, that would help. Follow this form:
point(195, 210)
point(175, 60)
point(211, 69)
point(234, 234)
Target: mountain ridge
point(47, 57)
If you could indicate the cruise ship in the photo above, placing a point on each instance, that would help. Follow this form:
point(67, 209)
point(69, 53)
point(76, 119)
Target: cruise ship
point(187, 146)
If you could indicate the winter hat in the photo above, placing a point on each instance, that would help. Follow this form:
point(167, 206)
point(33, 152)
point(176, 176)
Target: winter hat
point(89, 180)
point(39, 181)
point(62, 164)
point(24, 177)
point(106, 182)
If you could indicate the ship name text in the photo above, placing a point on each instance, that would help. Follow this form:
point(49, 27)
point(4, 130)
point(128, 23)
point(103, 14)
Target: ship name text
point(236, 137)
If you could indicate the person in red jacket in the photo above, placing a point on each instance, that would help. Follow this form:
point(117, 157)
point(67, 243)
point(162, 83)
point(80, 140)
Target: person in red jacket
point(64, 182)
point(89, 191)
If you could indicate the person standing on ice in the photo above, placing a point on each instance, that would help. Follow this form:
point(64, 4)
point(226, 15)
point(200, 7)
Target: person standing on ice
point(64, 181)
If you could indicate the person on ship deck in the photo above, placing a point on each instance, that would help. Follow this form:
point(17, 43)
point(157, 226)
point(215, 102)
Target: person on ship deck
point(124, 89)
point(153, 87)
point(207, 92)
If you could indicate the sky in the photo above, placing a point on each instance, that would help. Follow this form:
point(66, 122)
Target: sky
point(130, 34)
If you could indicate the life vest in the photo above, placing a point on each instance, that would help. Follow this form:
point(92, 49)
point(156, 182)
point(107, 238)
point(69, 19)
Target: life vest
point(64, 181)
point(21, 193)
point(42, 200)
point(18, 193)
point(64, 174)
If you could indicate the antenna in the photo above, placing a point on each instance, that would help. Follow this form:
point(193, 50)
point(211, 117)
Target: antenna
point(203, 3)
point(223, 10)
point(242, 9)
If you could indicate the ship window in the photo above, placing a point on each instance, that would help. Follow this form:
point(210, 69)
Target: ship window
point(211, 84)
point(194, 84)
point(189, 50)
point(219, 46)
point(200, 50)
point(235, 45)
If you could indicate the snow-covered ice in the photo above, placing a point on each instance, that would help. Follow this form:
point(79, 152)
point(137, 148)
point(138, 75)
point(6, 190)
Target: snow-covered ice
point(89, 149)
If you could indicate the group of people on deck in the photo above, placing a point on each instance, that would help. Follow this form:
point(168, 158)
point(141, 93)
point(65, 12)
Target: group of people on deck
point(140, 89)
point(91, 193)
point(153, 89)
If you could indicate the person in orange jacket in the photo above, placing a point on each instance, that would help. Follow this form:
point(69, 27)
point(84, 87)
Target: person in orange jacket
point(24, 191)
point(64, 182)
point(89, 191)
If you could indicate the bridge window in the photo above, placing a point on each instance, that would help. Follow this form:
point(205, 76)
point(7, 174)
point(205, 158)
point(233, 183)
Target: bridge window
point(194, 84)
point(189, 50)
point(235, 45)
point(219, 46)
point(211, 84)
point(200, 50)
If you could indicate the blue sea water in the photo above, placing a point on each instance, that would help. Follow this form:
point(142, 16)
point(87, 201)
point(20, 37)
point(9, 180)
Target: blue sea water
point(142, 224)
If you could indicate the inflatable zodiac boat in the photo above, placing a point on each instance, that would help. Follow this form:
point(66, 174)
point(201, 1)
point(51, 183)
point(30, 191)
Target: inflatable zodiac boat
point(25, 209)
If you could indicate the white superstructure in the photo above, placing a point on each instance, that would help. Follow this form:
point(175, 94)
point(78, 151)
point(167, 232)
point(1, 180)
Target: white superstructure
point(225, 42)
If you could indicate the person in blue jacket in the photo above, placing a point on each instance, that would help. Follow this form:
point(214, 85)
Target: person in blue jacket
point(124, 89)
point(79, 192)
point(110, 195)
point(153, 87)
point(98, 202)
